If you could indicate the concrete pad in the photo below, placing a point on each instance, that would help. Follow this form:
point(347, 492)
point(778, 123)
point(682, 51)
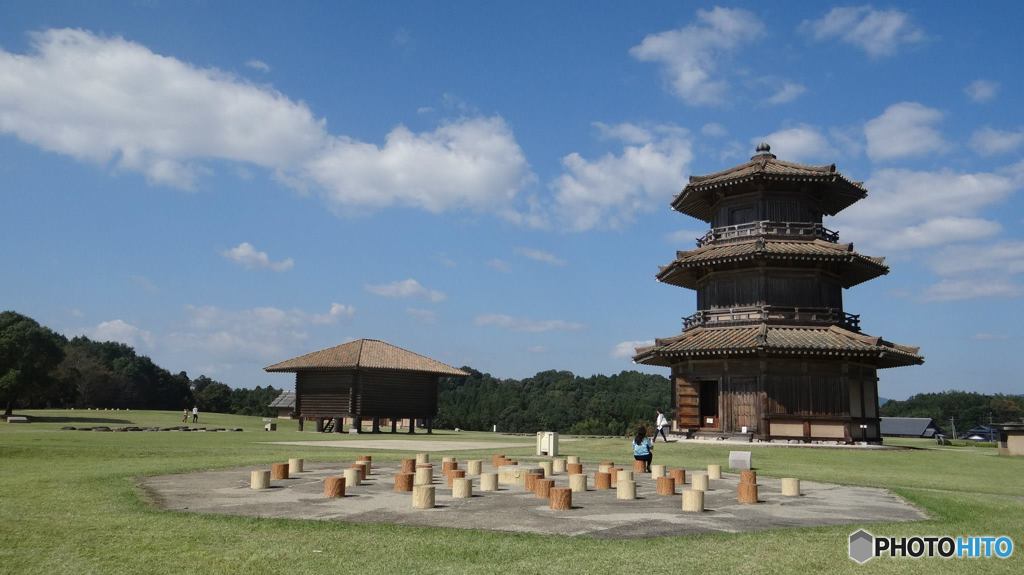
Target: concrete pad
point(594, 513)
point(405, 444)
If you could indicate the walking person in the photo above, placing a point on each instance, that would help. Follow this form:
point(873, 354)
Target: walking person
point(184, 415)
point(662, 423)
point(643, 449)
point(195, 414)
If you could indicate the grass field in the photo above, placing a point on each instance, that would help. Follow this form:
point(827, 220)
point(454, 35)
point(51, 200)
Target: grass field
point(69, 503)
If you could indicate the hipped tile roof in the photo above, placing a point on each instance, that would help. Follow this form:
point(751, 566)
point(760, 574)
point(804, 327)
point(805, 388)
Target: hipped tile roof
point(285, 400)
point(368, 354)
point(739, 341)
point(676, 273)
point(838, 191)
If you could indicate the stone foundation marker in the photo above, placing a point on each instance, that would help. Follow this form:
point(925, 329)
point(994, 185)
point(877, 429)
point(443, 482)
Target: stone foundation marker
point(657, 471)
point(424, 474)
point(578, 482)
point(747, 493)
point(558, 465)
point(361, 467)
point(408, 466)
point(423, 497)
point(714, 471)
point(543, 488)
point(571, 459)
point(624, 476)
point(790, 487)
point(679, 475)
point(404, 481)
point(699, 481)
point(602, 480)
point(488, 482)
point(739, 460)
point(548, 467)
point(531, 481)
point(625, 489)
point(295, 466)
point(574, 468)
point(474, 466)
point(614, 473)
point(369, 462)
point(639, 466)
point(560, 499)
point(279, 471)
point(666, 486)
point(455, 474)
point(259, 479)
point(422, 458)
point(462, 487)
point(334, 487)
point(693, 501)
point(351, 477)
point(748, 476)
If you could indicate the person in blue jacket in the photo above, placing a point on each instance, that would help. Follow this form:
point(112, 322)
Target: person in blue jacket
point(643, 449)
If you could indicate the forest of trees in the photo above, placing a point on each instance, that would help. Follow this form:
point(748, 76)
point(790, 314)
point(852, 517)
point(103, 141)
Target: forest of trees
point(968, 409)
point(553, 400)
point(41, 368)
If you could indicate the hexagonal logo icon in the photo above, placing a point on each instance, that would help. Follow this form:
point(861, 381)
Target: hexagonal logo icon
point(862, 546)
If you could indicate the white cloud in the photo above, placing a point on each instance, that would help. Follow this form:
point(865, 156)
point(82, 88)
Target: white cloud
point(690, 54)
point(624, 132)
point(110, 100)
point(472, 163)
point(259, 65)
point(537, 349)
point(905, 129)
point(972, 288)
point(527, 325)
point(499, 265)
point(422, 315)
point(540, 256)
point(245, 254)
point(255, 334)
point(989, 141)
point(912, 209)
point(121, 332)
point(787, 92)
point(981, 91)
point(876, 32)
point(625, 349)
point(337, 311)
point(609, 191)
point(714, 130)
point(984, 336)
point(407, 288)
point(1005, 257)
point(800, 143)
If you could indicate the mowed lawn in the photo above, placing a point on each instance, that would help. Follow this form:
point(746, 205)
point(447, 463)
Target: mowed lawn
point(69, 504)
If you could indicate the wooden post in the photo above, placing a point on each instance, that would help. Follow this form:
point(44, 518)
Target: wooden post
point(259, 479)
point(408, 466)
point(614, 473)
point(625, 489)
point(375, 425)
point(351, 477)
point(548, 468)
point(747, 493)
point(369, 462)
point(543, 488)
point(693, 501)
point(560, 499)
point(574, 468)
point(714, 471)
point(602, 480)
point(334, 487)
point(430, 425)
point(679, 475)
point(558, 465)
point(295, 466)
point(339, 424)
point(319, 425)
point(657, 471)
point(748, 476)
point(578, 482)
point(364, 469)
point(473, 467)
point(454, 474)
point(462, 487)
point(412, 425)
point(423, 497)
point(279, 471)
point(422, 458)
point(357, 423)
point(449, 464)
point(639, 466)
point(570, 459)
point(531, 481)
point(699, 481)
point(301, 419)
point(404, 481)
point(488, 482)
point(424, 474)
point(394, 425)
point(790, 487)
point(666, 486)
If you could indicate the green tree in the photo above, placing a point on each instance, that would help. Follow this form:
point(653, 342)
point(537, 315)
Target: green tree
point(29, 354)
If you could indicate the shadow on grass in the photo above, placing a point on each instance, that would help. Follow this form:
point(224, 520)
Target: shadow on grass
point(75, 419)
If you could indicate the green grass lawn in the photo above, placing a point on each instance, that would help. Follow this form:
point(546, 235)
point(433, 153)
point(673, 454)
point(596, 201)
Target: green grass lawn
point(69, 503)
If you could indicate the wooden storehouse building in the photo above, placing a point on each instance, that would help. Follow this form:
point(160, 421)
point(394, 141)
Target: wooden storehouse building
point(365, 379)
point(771, 351)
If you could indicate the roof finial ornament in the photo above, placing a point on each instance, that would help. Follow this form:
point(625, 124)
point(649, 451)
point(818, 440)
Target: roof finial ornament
point(763, 148)
point(763, 152)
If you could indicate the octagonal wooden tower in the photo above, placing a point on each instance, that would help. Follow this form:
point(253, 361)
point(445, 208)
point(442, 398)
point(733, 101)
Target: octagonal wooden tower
point(771, 351)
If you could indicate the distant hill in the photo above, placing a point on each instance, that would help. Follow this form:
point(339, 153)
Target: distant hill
point(968, 409)
point(883, 400)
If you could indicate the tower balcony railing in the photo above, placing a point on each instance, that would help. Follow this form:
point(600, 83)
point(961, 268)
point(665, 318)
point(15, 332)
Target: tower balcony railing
point(785, 230)
point(774, 314)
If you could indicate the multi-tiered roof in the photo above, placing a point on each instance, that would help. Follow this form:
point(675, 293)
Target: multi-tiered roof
point(767, 250)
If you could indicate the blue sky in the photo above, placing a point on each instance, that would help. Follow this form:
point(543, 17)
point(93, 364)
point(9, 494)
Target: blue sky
point(226, 185)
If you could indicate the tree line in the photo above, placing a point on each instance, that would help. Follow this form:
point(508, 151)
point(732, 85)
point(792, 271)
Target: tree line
point(967, 409)
point(40, 368)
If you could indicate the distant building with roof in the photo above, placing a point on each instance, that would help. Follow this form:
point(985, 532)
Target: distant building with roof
point(365, 379)
point(910, 427)
point(1011, 438)
point(284, 404)
point(771, 352)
